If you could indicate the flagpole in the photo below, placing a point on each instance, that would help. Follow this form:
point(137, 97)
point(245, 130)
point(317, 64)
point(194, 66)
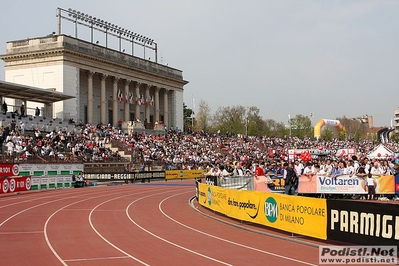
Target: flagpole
point(192, 112)
point(289, 121)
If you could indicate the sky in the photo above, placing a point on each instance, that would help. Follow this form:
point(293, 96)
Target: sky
point(330, 58)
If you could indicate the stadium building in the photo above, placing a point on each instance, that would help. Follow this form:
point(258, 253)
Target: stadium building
point(104, 85)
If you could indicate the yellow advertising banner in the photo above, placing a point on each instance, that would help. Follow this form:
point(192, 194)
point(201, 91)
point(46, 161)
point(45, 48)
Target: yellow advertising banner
point(300, 215)
point(183, 174)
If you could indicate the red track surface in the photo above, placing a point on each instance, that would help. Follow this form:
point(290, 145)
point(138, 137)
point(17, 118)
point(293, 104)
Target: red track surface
point(146, 224)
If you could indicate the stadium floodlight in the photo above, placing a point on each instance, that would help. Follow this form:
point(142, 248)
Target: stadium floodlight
point(94, 23)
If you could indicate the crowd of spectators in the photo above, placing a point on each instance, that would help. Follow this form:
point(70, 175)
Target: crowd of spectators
point(173, 149)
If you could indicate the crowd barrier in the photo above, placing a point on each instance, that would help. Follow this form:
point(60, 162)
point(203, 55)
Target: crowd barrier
point(358, 222)
point(51, 182)
point(345, 184)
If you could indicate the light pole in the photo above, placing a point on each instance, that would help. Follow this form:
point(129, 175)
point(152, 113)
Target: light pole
point(80, 18)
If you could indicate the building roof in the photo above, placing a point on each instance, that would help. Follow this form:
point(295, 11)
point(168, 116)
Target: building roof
point(29, 93)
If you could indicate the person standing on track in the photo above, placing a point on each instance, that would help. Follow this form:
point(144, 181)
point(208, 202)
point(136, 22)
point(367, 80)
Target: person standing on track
point(291, 179)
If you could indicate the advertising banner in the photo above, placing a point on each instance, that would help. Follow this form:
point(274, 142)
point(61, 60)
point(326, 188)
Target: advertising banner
point(52, 183)
point(183, 174)
point(300, 215)
point(293, 154)
point(363, 222)
point(275, 184)
point(344, 185)
point(9, 169)
point(15, 184)
point(35, 183)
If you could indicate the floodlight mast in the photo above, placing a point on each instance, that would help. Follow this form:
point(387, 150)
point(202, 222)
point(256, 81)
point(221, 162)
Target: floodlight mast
point(80, 18)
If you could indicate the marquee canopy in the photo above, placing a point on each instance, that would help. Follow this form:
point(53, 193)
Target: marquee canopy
point(29, 93)
point(382, 151)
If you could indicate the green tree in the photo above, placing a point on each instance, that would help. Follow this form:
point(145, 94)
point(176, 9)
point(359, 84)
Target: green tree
point(254, 125)
point(301, 127)
point(231, 119)
point(275, 129)
point(187, 115)
point(327, 134)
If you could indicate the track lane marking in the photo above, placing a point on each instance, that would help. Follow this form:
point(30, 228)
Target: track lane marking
point(54, 213)
point(167, 241)
point(228, 241)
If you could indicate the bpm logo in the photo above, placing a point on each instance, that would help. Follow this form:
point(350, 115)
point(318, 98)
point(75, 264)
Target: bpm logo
point(271, 209)
point(209, 196)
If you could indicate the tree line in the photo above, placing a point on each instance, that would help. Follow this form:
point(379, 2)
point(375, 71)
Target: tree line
point(246, 121)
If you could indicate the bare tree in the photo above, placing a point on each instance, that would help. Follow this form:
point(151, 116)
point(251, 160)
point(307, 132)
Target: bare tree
point(355, 128)
point(203, 117)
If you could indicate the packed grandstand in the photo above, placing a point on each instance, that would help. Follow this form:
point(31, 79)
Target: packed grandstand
point(173, 149)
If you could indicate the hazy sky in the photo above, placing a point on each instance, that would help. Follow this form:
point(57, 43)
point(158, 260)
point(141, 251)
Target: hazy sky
point(332, 58)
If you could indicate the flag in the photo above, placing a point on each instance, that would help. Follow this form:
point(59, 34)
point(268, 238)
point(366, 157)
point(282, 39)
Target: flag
point(140, 100)
point(131, 98)
point(152, 101)
point(120, 96)
point(127, 97)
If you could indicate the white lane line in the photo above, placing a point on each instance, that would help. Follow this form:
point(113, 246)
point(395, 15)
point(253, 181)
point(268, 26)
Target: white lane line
point(228, 241)
point(91, 259)
point(54, 213)
point(106, 240)
point(167, 241)
point(27, 232)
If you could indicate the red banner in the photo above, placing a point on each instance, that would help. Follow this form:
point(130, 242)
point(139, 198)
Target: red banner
point(15, 184)
point(9, 169)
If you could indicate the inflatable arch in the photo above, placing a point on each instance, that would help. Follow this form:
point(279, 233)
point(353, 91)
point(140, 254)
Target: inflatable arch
point(329, 122)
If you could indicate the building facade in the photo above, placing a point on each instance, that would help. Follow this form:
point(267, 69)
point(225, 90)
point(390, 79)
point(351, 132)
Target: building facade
point(108, 85)
point(396, 120)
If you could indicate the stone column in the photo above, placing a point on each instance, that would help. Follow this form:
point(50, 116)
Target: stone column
point(165, 108)
point(127, 107)
point(147, 103)
point(115, 102)
point(90, 99)
point(103, 104)
point(156, 104)
point(137, 94)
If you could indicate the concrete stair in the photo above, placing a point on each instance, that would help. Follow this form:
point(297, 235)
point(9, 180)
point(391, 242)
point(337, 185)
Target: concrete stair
point(121, 153)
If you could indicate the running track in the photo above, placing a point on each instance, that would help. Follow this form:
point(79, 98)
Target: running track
point(140, 224)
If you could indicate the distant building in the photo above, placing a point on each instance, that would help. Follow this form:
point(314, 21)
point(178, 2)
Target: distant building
point(396, 120)
point(366, 120)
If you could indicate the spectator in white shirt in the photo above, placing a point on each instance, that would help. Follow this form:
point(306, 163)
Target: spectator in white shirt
point(309, 170)
point(376, 169)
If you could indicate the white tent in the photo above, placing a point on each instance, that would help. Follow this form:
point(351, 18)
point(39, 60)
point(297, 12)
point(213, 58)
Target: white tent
point(381, 150)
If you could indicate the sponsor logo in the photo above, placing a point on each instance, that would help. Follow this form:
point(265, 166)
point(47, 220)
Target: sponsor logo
point(12, 185)
point(5, 186)
point(271, 209)
point(15, 169)
point(365, 223)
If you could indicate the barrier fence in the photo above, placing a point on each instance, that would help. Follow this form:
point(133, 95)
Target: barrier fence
point(359, 222)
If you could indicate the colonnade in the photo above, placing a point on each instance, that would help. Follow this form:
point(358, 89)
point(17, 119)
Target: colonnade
point(126, 93)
